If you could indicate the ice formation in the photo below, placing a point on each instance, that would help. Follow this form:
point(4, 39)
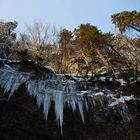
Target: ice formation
point(63, 92)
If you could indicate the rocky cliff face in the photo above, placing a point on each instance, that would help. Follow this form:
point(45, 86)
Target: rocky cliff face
point(21, 119)
point(36, 104)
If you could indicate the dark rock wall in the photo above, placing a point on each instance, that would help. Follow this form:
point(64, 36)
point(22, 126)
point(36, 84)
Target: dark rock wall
point(20, 119)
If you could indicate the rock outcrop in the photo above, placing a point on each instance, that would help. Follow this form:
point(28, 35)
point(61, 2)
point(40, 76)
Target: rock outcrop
point(36, 104)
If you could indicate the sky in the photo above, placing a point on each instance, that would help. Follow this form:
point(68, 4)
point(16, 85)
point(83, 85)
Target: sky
point(65, 13)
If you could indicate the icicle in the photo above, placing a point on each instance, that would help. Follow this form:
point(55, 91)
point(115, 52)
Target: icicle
point(11, 81)
point(32, 87)
point(40, 99)
point(86, 104)
point(17, 83)
point(70, 95)
point(47, 103)
point(72, 101)
point(80, 106)
point(59, 102)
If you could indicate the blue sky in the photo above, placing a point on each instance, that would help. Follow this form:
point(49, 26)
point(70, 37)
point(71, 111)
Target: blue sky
point(65, 13)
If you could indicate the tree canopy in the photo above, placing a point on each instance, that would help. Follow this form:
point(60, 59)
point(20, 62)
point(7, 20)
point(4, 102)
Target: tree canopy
point(84, 50)
point(127, 20)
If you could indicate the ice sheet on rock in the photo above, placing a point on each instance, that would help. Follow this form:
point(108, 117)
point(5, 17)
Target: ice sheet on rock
point(35, 87)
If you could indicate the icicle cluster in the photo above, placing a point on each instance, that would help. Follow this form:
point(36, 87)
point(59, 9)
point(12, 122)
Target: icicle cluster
point(63, 92)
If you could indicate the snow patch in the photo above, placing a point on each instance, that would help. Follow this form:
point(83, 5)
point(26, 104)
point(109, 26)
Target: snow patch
point(99, 94)
point(122, 82)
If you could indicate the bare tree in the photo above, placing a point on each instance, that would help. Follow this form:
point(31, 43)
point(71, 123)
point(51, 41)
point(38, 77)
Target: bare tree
point(41, 37)
point(38, 33)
